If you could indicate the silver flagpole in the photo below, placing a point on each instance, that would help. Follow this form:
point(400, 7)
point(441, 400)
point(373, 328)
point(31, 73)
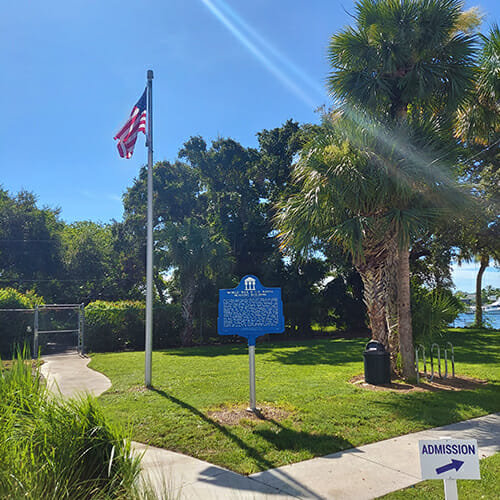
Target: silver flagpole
point(149, 253)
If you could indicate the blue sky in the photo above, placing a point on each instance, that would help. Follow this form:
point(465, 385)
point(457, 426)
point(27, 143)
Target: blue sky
point(72, 70)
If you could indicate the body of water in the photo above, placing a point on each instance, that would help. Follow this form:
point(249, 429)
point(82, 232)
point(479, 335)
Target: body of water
point(465, 319)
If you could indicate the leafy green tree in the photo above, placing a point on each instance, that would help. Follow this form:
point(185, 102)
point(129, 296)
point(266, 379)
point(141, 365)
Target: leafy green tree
point(432, 253)
point(278, 148)
point(229, 175)
point(342, 292)
point(433, 312)
point(89, 261)
point(300, 286)
point(176, 196)
point(480, 243)
point(188, 249)
point(241, 186)
point(30, 244)
point(402, 57)
point(213, 213)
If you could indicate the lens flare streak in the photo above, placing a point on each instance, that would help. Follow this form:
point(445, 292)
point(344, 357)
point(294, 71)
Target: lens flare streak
point(250, 39)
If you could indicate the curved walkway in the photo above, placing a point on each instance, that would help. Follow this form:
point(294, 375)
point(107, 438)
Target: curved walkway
point(69, 374)
point(361, 473)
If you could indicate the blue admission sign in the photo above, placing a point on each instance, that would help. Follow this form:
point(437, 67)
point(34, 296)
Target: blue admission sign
point(250, 310)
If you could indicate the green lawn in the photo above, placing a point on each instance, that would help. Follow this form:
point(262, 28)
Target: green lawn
point(308, 379)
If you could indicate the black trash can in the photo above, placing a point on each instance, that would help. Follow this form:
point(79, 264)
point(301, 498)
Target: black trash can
point(377, 364)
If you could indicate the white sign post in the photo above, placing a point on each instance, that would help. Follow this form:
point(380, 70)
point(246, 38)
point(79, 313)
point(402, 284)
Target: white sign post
point(449, 459)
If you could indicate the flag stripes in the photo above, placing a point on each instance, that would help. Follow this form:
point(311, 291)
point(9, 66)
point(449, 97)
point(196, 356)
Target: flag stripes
point(127, 136)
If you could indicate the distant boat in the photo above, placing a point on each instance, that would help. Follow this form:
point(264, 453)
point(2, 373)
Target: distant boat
point(493, 307)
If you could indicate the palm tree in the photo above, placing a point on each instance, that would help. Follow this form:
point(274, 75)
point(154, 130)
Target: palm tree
point(407, 61)
point(478, 127)
point(364, 187)
point(196, 254)
point(372, 179)
point(403, 54)
point(483, 246)
point(478, 122)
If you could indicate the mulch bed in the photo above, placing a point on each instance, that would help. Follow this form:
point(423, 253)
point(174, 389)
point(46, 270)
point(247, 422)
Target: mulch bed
point(437, 384)
point(234, 415)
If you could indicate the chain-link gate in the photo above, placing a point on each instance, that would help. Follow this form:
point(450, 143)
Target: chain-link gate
point(79, 330)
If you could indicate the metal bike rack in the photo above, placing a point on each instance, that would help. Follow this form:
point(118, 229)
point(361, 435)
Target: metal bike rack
point(432, 361)
point(420, 347)
point(420, 350)
point(446, 360)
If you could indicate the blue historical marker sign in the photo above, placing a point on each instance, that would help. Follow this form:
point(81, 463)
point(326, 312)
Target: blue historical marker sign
point(250, 310)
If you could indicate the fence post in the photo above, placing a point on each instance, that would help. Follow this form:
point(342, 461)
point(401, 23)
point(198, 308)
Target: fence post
point(81, 329)
point(35, 333)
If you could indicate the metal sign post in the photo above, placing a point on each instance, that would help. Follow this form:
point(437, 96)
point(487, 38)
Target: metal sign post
point(250, 310)
point(450, 489)
point(251, 371)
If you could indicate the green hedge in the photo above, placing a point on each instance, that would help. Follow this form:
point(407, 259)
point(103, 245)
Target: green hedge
point(432, 312)
point(118, 326)
point(16, 328)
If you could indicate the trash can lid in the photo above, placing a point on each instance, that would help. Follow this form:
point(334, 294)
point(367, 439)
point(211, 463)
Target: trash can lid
point(375, 345)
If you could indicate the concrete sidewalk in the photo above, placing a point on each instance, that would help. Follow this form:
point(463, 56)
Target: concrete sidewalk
point(359, 473)
point(68, 374)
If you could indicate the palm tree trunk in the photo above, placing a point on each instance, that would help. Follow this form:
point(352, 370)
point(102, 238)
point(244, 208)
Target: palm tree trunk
point(374, 297)
point(478, 321)
point(187, 312)
point(372, 271)
point(391, 290)
point(404, 315)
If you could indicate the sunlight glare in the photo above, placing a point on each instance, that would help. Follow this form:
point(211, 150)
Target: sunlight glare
point(251, 45)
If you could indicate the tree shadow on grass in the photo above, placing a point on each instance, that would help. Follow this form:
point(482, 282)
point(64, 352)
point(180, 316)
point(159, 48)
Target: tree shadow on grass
point(301, 352)
point(211, 351)
point(251, 452)
point(331, 352)
point(435, 409)
point(285, 439)
point(474, 346)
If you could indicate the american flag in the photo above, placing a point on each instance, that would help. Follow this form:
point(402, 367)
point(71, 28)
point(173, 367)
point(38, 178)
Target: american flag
point(128, 133)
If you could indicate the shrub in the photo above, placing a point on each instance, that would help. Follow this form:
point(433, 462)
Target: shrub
point(15, 327)
point(56, 449)
point(432, 312)
point(115, 326)
point(167, 325)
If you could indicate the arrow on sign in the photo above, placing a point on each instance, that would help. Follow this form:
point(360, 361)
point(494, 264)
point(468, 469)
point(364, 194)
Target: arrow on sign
point(454, 464)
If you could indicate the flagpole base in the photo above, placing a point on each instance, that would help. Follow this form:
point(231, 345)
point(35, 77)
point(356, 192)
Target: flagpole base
point(254, 410)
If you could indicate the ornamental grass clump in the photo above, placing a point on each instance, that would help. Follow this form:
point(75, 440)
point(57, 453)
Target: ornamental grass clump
point(52, 448)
